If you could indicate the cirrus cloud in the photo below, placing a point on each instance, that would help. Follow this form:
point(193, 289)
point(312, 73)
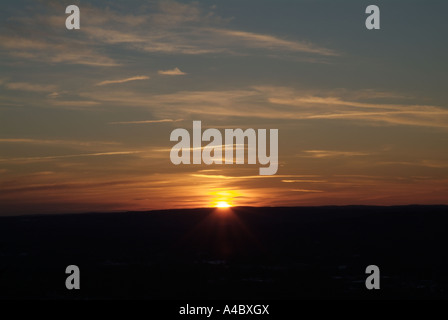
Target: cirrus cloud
point(174, 72)
point(106, 82)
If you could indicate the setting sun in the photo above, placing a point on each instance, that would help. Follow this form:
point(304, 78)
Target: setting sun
point(223, 198)
point(223, 204)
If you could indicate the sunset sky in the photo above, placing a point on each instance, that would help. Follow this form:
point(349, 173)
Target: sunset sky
point(86, 115)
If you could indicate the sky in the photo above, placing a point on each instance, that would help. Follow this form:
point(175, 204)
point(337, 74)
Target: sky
point(86, 115)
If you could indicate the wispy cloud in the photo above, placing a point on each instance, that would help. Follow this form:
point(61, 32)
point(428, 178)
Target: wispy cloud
point(57, 49)
point(73, 103)
point(65, 186)
point(306, 190)
point(170, 28)
point(422, 163)
point(59, 142)
point(282, 103)
point(174, 72)
point(45, 158)
point(304, 181)
point(223, 146)
point(106, 82)
point(25, 86)
point(228, 177)
point(264, 41)
point(332, 154)
point(146, 121)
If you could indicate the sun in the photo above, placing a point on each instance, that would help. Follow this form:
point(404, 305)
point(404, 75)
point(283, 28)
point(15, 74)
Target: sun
point(223, 199)
point(222, 204)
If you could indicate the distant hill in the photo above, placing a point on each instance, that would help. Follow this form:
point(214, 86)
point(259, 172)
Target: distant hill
point(242, 253)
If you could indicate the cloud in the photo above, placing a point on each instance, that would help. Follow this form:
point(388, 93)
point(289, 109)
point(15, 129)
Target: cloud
point(281, 103)
point(306, 190)
point(304, 181)
point(332, 154)
point(269, 42)
point(146, 121)
point(227, 177)
point(200, 40)
point(422, 163)
point(45, 158)
point(24, 86)
point(58, 142)
point(57, 49)
point(330, 107)
point(73, 103)
point(174, 72)
point(170, 27)
point(183, 102)
point(65, 186)
point(236, 146)
point(103, 83)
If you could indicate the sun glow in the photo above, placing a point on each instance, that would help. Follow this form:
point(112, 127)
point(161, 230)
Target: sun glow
point(223, 198)
point(222, 204)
